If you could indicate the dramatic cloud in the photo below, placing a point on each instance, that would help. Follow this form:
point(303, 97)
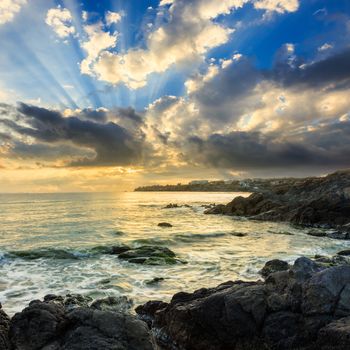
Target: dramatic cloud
point(105, 144)
point(9, 8)
point(188, 34)
point(60, 19)
point(326, 146)
point(236, 116)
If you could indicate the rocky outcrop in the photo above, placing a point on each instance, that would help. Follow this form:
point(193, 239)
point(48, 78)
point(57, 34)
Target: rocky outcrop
point(322, 202)
point(306, 306)
point(59, 323)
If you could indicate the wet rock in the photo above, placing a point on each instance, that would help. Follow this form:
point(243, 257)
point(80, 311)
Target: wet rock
point(322, 291)
point(165, 224)
point(238, 234)
point(345, 252)
point(50, 325)
point(174, 206)
point(146, 312)
point(335, 335)
point(171, 206)
point(294, 309)
point(274, 266)
point(316, 233)
point(4, 329)
point(70, 301)
point(150, 255)
point(121, 304)
point(154, 281)
point(219, 209)
point(37, 325)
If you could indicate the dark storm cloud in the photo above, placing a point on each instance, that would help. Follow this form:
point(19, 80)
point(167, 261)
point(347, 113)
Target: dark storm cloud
point(46, 152)
point(111, 143)
point(129, 113)
point(333, 69)
point(233, 83)
point(97, 115)
point(326, 146)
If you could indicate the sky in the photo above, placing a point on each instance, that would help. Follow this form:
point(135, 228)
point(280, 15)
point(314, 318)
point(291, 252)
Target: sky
point(112, 94)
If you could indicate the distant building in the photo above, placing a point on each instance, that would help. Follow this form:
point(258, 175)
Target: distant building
point(199, 182)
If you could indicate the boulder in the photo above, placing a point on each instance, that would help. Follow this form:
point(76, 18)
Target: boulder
point(274, 266)
point(51, 325)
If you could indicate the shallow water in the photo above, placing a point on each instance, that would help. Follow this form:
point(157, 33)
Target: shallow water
point(68, 226)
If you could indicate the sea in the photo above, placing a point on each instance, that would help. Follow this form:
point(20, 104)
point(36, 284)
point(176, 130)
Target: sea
point(50, 244)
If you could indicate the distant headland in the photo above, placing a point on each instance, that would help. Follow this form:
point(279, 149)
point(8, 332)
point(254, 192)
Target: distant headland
point(245, 185)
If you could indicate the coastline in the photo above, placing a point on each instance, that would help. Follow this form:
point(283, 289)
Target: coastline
point(304, 305)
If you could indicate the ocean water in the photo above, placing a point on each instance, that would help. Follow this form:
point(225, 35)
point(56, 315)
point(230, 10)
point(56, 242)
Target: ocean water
point(65, 229)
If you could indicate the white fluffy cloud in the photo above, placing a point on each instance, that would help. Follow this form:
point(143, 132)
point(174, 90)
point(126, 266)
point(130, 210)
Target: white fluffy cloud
point(280, 6)
point(113, 17)
point(97, 41)
point(8, 9)
point(188, 36)
point(60, 19)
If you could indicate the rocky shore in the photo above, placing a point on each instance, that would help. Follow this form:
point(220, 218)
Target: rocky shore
point(322, 202)
point(303, 306)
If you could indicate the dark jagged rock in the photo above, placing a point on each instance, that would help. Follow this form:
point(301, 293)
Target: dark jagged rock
point(51, 325)
point(274, 266)
point(306, 307)
point(120, 304)
point(165, 224)
point(319, 202)
point(4, 329)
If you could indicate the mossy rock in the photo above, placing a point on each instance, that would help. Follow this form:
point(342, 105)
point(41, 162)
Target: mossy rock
point(150, 255)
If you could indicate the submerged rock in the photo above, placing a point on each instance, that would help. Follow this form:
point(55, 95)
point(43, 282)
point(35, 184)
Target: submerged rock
point(51, 325)
point(304, 306)
point(238, 234)
point(154, 281)
point(171, 206)
point(165, 224)
point(345, 252)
